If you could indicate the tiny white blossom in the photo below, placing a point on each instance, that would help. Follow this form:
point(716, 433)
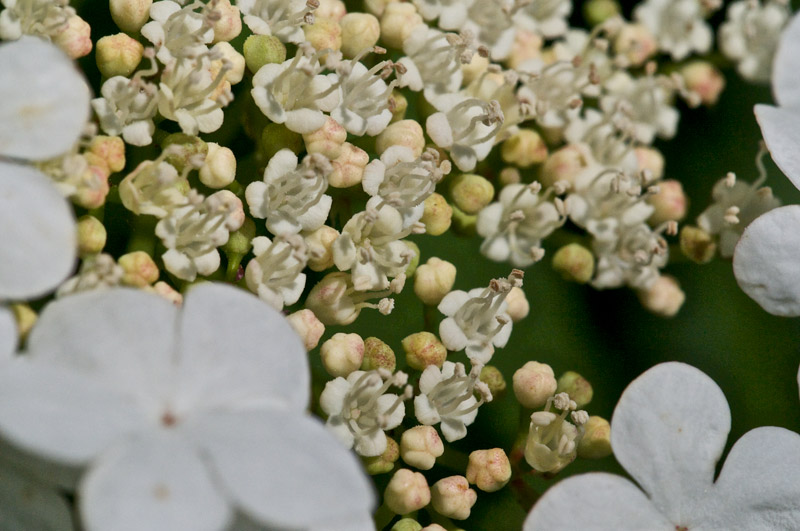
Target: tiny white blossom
point(630, 255)
point(492, 21)
point(646, 101)
point(282, 18)
point(276, 273)
point(365, 98)
point(154, 187)
point(750, 35)
point(41, 18)
point(547, 18)
point(179, 32)
point(96, 272)
point(678, 25)
point(552, 441)
point(452, 14)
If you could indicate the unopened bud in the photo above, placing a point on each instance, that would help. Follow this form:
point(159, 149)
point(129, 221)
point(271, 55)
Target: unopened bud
point(236, 62)
point(527, 45)
point(342, 354)
point(91, 236)
point(650, 162)
point(524, 148)
point(433, 280)
point(307, 326)
point(260, 50)
point(669, 203)
point(74, 38)
point(348, 167)
point(140, 269)
point(413, 248)
point(330, 301)
point(327, 140)
point(332, 9)
point(464, 223)
point(130, 15)
point(577, 387)
point(118, 55)
point(596, 441)
point(636, 43)
point(489, 470)
point(565, 164)
point(111, 149)
point(518, 305)
point(697, 244)
point(406, 492)
point(275, 137)
point(423, 349)
point(575, 263)
point(509, 175)
point(437, 215)
point(452, 497)
point(471, 192)
point(239, 241)
point(323, 34)
point(359, 32)
point(229, 24)
point(406, 524)
point(705, 80)
point(377, 7)
point(475, 68)
point(378, 355)
point(534, 383)
point(397, 22)
point(598, 11)
point(219, 168)
point(400, 106)
point(420, 446)
point(381, 464)
point(493, 378)
point(320, 247)
point(407, 133)
point(169, 293)
point(665, 297)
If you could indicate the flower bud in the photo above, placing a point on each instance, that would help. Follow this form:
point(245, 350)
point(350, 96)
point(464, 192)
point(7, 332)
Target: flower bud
point(406, 133)
point(475, 68)
point(412, 265)
point(275, 137)
point(406, 524)
point(163, 289)
point(332, 9)
point(565, 164)
point(534, 383)
point(260, 50)
point(239, 241)
point(665, 297)
point(307, 326)
point(492, 377)
point(377, 7)
point(74, 38)
point(464, 223)
point(320, 247)
point(25, 318)
point(111, 149)
point(219, 168)
point(596, 441)
point(433, 280)
point(229, 24)
point(636, 43)
point(575, 263)
point(139, 269)
point(509, 175)
point(191, 146)
point(669, 203)
point(327, 140)
point(237, 63)
point(330, 301)
point(406, 492)
point(130, 15)
point(452, 497)
point(342, 354)
point(323, 34)
point(705, 80)
point(437, 215)
point(524, 148)
point(518, 306)
point(400, 106)
point(527, 45)
point(577, 387)
point(437, 527)
point(348, 167)
point(118, 55)
point(420, 446)
point(397, 22)
point(489, 470)
point(697, 244)
point(598, 11)
point(378, 355)
point(471, 192)
point(651, 161)
point(359, 32)
point(381, 464)
point(423, 349)
point(91, 236)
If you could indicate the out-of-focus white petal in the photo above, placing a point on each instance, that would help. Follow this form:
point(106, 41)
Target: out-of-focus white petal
point(668, 431)
point(36, 121)
point(786, 66)
point(596, 501)
point(781, 130)
point(154, 481)
point(28, 504)
point(38, 232)
point(767, 261)
point(237, 351)
point(8, 334)
point(283, 469)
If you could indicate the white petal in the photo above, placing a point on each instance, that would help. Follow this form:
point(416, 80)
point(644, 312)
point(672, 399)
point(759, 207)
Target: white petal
point(781, 130)
point(668, 431)
point(284, 468)
point(279, 165)
point(453, 301)
point(767, 261)
point(8, 334)
point(596, 501)
point(37, 122)
point(453, 337)
point(39, 234)
point(786, 65)
point(237, 351)
point(332, 398)
point(453, 429)
point(154, 481)
point(28, 504)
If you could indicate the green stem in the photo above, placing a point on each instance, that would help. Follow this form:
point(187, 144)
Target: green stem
point(383, 516)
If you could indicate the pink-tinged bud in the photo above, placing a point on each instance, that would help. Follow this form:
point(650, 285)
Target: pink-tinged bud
point(163, 289)
point(518, 305)
point(320, 247)
point(423, 349)
point(433, 280)
point(420, 446)
point(534, 383)
point(407, 133)
point(650, 161)
point(348, 167)
point(111, 149)
point(527, 45)
point(489, 470)
point(308, 327)
point(130, 15)
point(636, 43)
point(118, 55)
point(705, 80)
point(327, 140)
point(665, 297)
point(93, 187)
point(452, 497)
point(236, 62)
point(359, 32)
point(397, 22)
point(342, 354)
point(140, 269)
point(229, 25)
point(75, 37)
point(324, 34)
point(669, 203)
point(575, 263)
point(406, 492)
point(565, 164)
point(378, 355)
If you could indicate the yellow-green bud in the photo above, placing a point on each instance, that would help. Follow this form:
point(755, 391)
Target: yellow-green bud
point(323, 34)
point(407, 524)
point(489, 470)
point(598, 11)
point(91, 236)
point(25, 318)
point(320, 247)
point(524, 148)
point(191, 146)
point(397, 22)
point(276, 137)
point(118, 55)
point(348, 167)
point(509, 175)
point(491, 376)
point(412, 265)
point(342, 354)
point(229, 24)
point(260, 50)
point(433, 280)
point(471, 192)
point(139, 269)
point(705, 80)
point(111, 149)
point(669, 203)
point(575, 263)
point(596, 441)
point(378, 355)
point(381, 464)
point(464, 223)
point(219, 168)
point(239, 241)
point(420, 446)
point(359, 32)
point(423, 349)
point(452, 497)
point(406, 492)
point(534, 383)
point(664, 297)
point(307, 326)
point(437, 215)
point(697, 244)
point(130, 15)
point(518, 305)
point(400, 106)
point(576, 386)
point(406, 133)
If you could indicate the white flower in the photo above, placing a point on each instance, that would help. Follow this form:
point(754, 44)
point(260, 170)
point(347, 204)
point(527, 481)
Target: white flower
point(97, 272)
point(493, 23)
point(668, 432)
point(179, 32)
point(292, 196)
point(179, 415)
point(154, 187)
point(42, 18)
point(608, 135)
point(678, 25)
point(452, 14)
point(364, 102)
point(646, 101)
point(359, 409)
point(547, 18)
point(750, 36)
point(276, 273)
point(281, 18)
point(628, 255)
point(552, 441)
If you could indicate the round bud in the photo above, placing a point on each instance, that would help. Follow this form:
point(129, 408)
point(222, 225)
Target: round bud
point(359, 32)
point(139, 269)
point(239, 241)
point(320, 247)
point(509, 175)
point(327, 140)
point(598, 11)
point(397, 22)
point(406, 524)
point(452, 497)
point(565, 164)
point(381, 464)
point(219, 168)
point(330, 301)
point(527, 45)
point(524, 148)
point(378, 355)
point(423, 349)
point(636, 43)
point(651, 161)
point(406, 492)
point(229, 24)
point(400, 106)
point(406, 133)
point(433, 280)
point(166, 291)
point(518, 306)
point(130, 15)
point(697, 244)
point(118, 55)
point(705, 80)
point(534, 383)
point(25, 318)
point(342, 354)
point(377, 7)
point(348, 167)
point(575, 263)
point(492, 377)
point(111, 149)
point(471, 192)
point(260, 50)
point(91, 236)
point(332, 9)
point(420, 446)
point(437, 215)
point(596, 441)
point(436, 527)
point(323, 34)
point(665, 297)
point(307, 326)
point(74, 38)
point(237, 63)
point(577, 387)
point(489, 470)
point(475, 68)
point(464, 223)
point(669, 203)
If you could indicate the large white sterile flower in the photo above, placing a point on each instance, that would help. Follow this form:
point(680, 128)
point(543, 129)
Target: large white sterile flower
point(180, 415)
point(668, 431)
